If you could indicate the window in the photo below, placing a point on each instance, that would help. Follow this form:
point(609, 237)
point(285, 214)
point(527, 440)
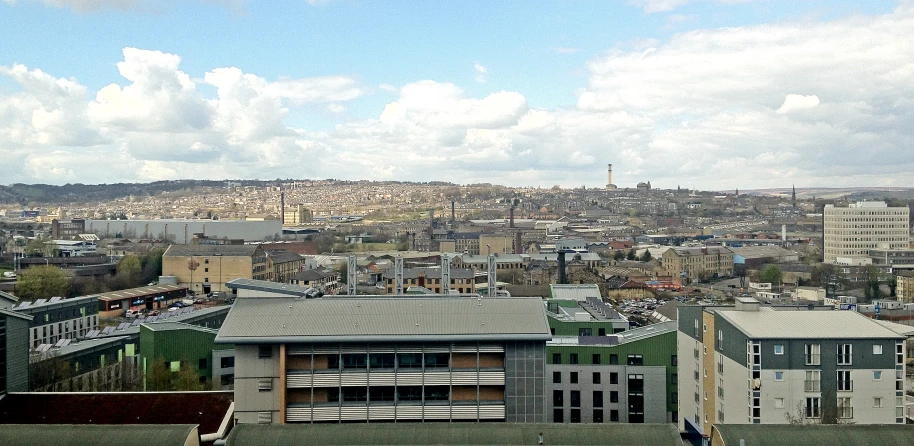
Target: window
point(778, 376)
point(613, 359)
point(595, 359)
point(206, 279)
point(381, 360)
point(613, 378)
point(573, 358)
point(674, 361)
point(845, 384)
point(226, 380)
point(697, 375)
point(601, 332)
point(437, 360)
point(635, 360)
point(778, 349)
point(635, 383)
point(674, 378)
point(558, 398)
point(227, 362)
point(813, 409)
point(877, 402)
point(720, 336)
point(355, 361)
point(355, 394)
point(573, 377)
point(439, 393)
point(597, 398)
point(877, 349)
point(845, 410)
point(575, 398)
point(613, 415)
point(575, 416)
point(813, 378)
point(844, 354)
point(201, 364)
point(598, 415)
point(409, 360)
point(205, 270)
point(558, 416)
point(585, 332)
point(556, 358)
point(779, 403)
point(596, 377)
point(556, 377)
point(613, 396)
point(264, 351)
point(813, 356)
point(877, 375)
point(408, 393)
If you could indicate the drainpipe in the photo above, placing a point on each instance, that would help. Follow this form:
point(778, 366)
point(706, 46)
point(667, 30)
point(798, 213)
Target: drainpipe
point(206, 438)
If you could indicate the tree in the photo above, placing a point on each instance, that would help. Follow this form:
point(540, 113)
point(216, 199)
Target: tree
point(619, 255)
point(771, 274)
point(37, 247)
point(631, 254)
point(158, 378)
point(129, 267)
point(42, 282)
point(646, 257)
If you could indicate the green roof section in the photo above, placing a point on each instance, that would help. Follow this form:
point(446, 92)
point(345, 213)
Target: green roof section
point(455, 434)
point(99, 434)
point(812, 435)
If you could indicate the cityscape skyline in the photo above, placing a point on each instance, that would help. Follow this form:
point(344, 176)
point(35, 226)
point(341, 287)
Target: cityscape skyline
point(713, 95)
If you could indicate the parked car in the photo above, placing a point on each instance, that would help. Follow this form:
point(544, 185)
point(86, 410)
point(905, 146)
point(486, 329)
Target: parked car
point(199, 301)
point(9, 274)
point(153, 313)
point(135, 312)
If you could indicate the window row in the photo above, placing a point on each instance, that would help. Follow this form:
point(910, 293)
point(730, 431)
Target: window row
point(597, 359)
point(558, 416)
point(388, 393)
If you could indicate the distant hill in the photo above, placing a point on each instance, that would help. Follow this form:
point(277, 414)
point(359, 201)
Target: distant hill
point(852, 193)
point(81, 193)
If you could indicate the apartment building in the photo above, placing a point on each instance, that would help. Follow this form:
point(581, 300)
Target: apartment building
point(698, 263)
point(904, 286)
point(282, 265)
point(461, 280)
point(628, 377)
point(57, 318)
point(206, 268)
point(747, 364)
point(384, 359)
point(14, 354)
point(854, 230)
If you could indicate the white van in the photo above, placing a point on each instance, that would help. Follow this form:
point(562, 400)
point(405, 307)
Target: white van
point(9, 275)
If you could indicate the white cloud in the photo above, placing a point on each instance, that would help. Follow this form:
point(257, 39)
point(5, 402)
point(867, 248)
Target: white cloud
point(482, 75)
point(819, 103)
point(797, 102)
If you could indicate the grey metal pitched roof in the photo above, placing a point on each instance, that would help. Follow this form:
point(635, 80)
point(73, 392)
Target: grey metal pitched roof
point(770, 324)
point(283, 256)
point(313, 274)
point(210, 250)
point(402, 319)
point(267, 286)
point(113, 434)
point(813, 435)
point(615, 434)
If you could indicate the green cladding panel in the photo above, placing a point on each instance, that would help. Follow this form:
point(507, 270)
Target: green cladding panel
point(659, 350)
point(192, 344)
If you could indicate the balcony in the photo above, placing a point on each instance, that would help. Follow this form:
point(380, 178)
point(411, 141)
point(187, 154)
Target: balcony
point(303, 379)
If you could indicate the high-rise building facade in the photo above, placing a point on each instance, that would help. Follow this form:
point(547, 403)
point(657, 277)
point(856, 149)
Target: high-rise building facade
point(854, 230)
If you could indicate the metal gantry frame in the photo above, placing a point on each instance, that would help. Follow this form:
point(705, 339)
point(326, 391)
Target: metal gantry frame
point(491, 276)
point(398, 275)
point(352, 276)
point(445, 274)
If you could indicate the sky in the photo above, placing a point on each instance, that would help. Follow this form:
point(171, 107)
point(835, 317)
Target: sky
point(707, 94)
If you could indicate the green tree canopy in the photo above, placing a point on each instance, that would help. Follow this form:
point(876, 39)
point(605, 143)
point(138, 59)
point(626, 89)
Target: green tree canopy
point(771, 274)
point(631, 254)
point(129, 267)
point(646, 257)
point(42, 282)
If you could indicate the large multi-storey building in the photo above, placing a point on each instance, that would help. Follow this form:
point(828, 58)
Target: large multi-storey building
point(388, 359)
point(461, 280)
point(754, 365)
point(14, 352)
point(206, 268)
point(698, 263)
point(57, 318)
point(629, 377)
point(854, 230)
